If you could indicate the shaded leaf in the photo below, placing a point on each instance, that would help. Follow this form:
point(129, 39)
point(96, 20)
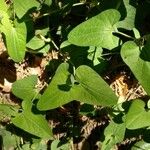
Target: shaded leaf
point(138, 60)
point(97, 31)
point(25, 88)
point(34, 124)
point(48, 2)
point(78, 55)
point(95, 54)
point(55, 94)
point(137, 116)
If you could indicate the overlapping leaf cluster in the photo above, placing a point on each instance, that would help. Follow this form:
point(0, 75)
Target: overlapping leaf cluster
point(115, 27)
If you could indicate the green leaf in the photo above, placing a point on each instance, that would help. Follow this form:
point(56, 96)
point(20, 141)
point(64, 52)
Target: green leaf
point(136, 33)
point(39, 145)
point(141, 145)
point(8, 110)
point(91, 89)
point(137, 116)
point(95, 54)
point(21, 7)
point(15, 37)
point(3, 6)
point(48, 2)
point(10, 140)
point(5, 23)
point(97, 31)
point(138, 59)
point(114, 133)
point(58, 145)
point(130, 12)
point(34, 124)
point(16, 40)
point(35, 43)
point(53, 96)
point(25, 88)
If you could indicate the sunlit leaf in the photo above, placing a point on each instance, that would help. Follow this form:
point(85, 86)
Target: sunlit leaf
point(89, 89)
point(3, 6)
point(138, 60)
point(97, 31)
point(34, 124)
point(16, 40)
point(21, 7)
point(114, 133)
point(35, 43)
point(130, 12)
point(141, 145)
point(137, 116)
point(25, 88)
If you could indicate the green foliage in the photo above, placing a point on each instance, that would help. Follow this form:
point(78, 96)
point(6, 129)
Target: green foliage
point(137, 115)
point(65, 87)
point(16, 40)
point(88, 36)
point(21, 7)
point(98, 32)
point(114, 133)
point(58, 145)
point(137, 58)
point(141, 145)
point(9, 140)
point(130, 13)
point(35, 43)
point(8, 110)
point(34, 124)
point(25, 88)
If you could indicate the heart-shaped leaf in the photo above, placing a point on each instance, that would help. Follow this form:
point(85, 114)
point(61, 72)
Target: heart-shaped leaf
point(97, 31)
point(21, 7)
point(25, 88)
point(114, 133)
point(89, 89)
point(138, 59)
point(34, 124)
point(137, 116)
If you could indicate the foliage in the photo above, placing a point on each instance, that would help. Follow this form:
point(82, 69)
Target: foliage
point(86, 34)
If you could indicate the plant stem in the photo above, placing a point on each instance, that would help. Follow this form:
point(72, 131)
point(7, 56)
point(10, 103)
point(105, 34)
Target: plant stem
point(55, 45)
point(125, 35)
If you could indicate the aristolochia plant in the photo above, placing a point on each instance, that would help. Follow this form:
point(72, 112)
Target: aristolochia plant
point(86, 36)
